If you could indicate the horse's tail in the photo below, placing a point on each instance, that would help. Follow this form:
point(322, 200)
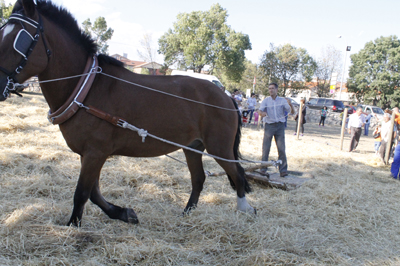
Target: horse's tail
point(236, 152)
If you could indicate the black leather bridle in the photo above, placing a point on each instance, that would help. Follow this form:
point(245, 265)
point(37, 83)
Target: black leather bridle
point(24, 44)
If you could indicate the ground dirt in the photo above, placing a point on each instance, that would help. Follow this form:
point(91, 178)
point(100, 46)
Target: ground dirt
point(346, 215)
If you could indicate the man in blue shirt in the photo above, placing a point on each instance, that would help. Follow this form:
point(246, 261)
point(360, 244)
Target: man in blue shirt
point(273, 109)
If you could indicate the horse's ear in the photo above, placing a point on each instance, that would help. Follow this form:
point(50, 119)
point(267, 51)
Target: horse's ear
point(29, 7)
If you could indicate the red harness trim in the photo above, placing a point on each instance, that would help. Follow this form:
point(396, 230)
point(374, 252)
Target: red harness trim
point(71, 106)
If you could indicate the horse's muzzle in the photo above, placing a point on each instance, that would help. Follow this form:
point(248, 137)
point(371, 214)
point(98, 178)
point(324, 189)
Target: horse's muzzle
point(4, 89)
point(3, 93)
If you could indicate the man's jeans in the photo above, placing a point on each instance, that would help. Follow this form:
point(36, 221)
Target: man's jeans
point(276, 130)
point(366, 128)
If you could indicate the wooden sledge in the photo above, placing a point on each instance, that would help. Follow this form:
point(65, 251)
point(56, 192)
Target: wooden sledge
point(294, 180)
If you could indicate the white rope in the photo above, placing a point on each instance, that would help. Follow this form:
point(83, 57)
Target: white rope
point(143, 133)
point(99, 71)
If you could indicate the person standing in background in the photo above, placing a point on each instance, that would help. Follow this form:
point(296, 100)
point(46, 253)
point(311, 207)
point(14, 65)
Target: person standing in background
point(251, 102)
point(367, 122)
point(324, 112)
point(354, 126)
point(273, 110)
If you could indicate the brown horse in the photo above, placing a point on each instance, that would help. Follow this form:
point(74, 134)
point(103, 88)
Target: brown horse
point(56, 47)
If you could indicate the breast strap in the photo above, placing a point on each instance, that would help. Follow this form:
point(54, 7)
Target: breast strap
point(74, 102)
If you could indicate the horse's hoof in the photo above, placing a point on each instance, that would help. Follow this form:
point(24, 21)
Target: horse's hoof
point(129, 216)
point(75, 222)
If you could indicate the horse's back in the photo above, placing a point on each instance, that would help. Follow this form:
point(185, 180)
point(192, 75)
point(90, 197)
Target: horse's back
point(176, 108)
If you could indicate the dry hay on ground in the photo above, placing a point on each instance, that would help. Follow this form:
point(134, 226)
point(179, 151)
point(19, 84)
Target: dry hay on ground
point(347, 215)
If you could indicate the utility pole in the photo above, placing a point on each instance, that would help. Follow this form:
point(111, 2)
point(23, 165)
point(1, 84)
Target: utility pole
point(348, 48)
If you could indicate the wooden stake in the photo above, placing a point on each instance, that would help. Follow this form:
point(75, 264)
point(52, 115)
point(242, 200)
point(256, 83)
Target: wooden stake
point(343, 128)
point(299, 118)
point(389, 143)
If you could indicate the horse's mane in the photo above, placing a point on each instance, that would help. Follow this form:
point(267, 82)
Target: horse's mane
point(63, 18)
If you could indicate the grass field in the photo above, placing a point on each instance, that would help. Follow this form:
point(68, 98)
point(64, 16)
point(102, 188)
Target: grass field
point(347, 215)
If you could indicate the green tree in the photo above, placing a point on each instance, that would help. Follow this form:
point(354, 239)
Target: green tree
point(374, 74)
point(327, 64)
point(5, 12)
point(99, 32)
point(287, 65)
point(201, 39)
point(246, 82)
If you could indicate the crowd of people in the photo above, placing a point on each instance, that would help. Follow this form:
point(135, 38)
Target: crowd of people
point(274, 111)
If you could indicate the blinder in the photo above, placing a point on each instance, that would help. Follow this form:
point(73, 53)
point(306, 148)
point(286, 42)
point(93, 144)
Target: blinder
point(24, 44)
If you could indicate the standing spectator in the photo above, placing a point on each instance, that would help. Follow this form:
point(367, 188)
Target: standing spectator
point(385, 133)
point(286, 116)
point(354, 126)
point(367, 122)
point(377, 137)
point(245, 114)
point(394, 169)
point(237, 95)
point(251, 102)
point(273, 109)
point(303, 111)
point(324, 112)
point(397, 122)
point(256, 117)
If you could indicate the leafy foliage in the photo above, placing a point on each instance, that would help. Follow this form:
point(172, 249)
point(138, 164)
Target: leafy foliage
point(99, 32)
point(5, 12)
point(374, 74)
point(288, 65)
point(246, 82)
point(201, 39)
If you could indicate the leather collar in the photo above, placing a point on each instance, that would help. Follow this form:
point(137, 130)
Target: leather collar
point(72, 105)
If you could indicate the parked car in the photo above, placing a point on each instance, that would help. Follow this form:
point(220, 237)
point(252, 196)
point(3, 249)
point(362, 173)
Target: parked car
point(374, 110)
point(294, 103)
point(351, 109)
point(331, 104)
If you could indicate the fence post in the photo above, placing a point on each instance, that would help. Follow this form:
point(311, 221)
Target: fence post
point(299, 118)
point(343, 128)
point(389, 143)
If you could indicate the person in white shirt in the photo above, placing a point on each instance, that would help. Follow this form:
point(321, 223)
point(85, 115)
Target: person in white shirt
point(273, 109)
point(354, 126)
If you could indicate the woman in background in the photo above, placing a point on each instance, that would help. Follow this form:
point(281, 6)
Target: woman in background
point(324, 112)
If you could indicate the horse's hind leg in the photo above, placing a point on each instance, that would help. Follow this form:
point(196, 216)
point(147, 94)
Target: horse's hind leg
point(198, 177)
point(113, 211)
point(238, 181)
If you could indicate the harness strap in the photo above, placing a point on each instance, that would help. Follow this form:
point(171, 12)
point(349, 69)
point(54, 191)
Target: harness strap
point(119, 122)
point(103, 115)
point(74, 102)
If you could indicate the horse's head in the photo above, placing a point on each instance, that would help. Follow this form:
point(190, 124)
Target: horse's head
point(23, 52)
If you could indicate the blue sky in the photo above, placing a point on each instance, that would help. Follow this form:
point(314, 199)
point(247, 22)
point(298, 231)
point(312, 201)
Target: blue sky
point(309, 24)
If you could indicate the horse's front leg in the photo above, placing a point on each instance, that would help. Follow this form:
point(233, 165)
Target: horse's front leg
point(90, 173)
